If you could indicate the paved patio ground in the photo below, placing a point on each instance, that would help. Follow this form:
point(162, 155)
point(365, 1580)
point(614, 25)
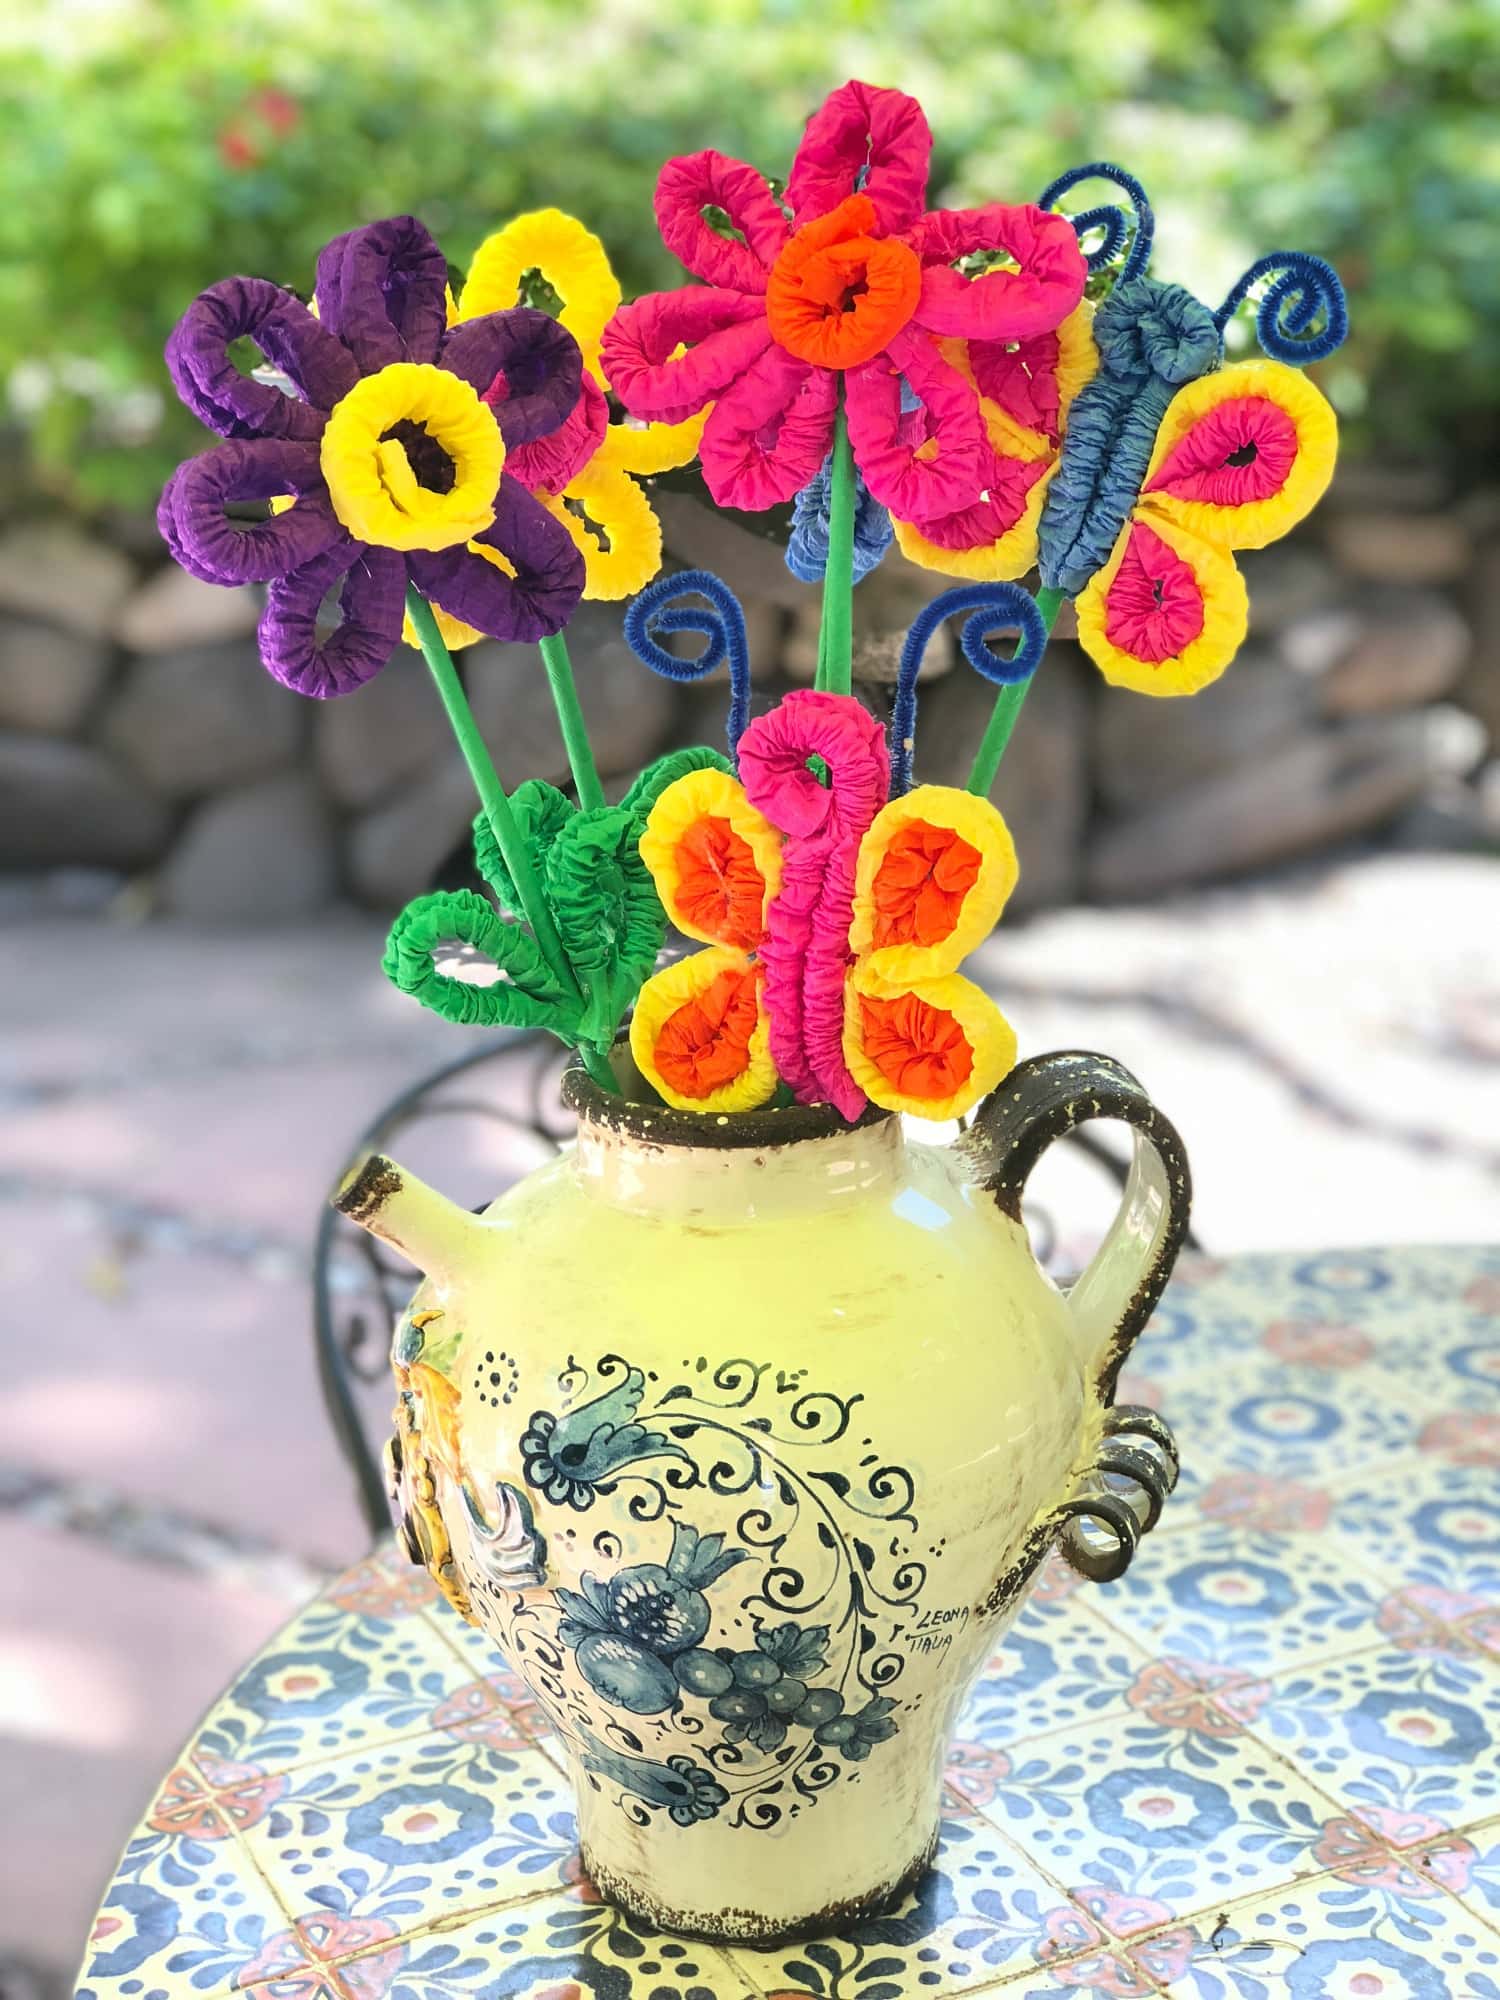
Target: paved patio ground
point(175, 1105)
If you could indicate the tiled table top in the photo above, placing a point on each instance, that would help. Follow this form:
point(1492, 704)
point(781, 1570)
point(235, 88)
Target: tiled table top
point(1266, 1762)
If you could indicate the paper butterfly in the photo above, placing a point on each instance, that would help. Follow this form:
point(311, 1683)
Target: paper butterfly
point(835, 920)
point(1128, 461)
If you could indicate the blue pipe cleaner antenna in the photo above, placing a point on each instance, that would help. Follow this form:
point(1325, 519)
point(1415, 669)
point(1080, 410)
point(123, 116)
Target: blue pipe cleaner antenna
point(1113, 220)
point(719, 621)
point(1304, 289)
point(994, 607)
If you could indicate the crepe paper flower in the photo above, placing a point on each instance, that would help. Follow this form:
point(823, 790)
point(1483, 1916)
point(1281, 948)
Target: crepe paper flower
point(700, 1033)
point(806, 948)
point(720, 624)
point(994, 607)
point(389, 457)
point(807, 550)
point(587, 472)
point(847, 294)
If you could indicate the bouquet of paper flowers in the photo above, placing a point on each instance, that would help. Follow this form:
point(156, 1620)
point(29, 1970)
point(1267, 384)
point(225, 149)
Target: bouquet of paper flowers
point(996, 389)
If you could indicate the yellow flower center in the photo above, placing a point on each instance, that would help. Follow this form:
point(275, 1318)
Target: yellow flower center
point(413, 459)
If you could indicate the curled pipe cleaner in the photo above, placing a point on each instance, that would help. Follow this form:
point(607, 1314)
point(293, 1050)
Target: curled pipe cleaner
point(1109, 217)
point(1304, 287)
point(995, 607)
point(722, 625)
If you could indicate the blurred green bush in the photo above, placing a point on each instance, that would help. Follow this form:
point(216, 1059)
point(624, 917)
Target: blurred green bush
point(147, 149)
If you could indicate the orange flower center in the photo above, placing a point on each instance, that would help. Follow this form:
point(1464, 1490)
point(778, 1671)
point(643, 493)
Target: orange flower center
point(706, 1043)
point(920, 886)
point(920, 1048)
point(837, 295)
point(719, 887)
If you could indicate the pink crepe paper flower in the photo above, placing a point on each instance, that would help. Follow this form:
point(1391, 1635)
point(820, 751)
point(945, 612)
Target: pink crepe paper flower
point(855, 286)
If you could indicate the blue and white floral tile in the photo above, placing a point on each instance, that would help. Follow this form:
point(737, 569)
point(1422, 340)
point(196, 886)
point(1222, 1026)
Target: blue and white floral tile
point(1311, 1425)
point(981, 1915)
point(341, 1675)
point(188, 1908)
point(1223, 1595)
point(1167, 1809)
point(567, 1946)
point(409, 1832)
point(1406, 1741)
point(1430, 1522)
point(1365, 1931)
point(1056, 1665)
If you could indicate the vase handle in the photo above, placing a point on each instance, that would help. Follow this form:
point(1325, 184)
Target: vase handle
point(1038, 1103)
point(1119, 1495)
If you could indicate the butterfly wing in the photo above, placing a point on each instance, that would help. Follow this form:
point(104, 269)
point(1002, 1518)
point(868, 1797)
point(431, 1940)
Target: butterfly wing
point(935, 870)
point(1242, 455)
point(1025, 389)
point(1167, 612)
point(700, 1032)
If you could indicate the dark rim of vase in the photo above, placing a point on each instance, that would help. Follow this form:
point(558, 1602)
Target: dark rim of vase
point(655, 1124)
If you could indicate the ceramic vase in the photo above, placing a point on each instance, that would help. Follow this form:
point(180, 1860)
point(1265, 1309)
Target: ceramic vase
point(745, 1438)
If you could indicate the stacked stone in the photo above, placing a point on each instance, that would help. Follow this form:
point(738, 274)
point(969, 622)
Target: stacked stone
point(141, 739)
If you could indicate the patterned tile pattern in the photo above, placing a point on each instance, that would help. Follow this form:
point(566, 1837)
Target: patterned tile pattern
point(1266, 1763)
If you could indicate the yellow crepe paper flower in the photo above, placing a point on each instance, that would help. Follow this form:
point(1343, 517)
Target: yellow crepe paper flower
point(376, 494)
point(607, 513)
point(701, 1035)
point(933, 1047)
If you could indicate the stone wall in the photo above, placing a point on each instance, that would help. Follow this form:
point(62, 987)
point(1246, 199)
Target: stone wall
point(140, 739)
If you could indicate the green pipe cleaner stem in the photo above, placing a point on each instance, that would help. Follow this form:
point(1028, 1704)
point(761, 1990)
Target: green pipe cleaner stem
point(836, 627)
point(497, 810)
point(575, 735)
point(1007, 708)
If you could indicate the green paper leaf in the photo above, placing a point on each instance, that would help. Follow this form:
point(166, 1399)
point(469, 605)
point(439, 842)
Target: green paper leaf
point(527, 996)
point(541, 811)
point(656, 777)
point(607, 912)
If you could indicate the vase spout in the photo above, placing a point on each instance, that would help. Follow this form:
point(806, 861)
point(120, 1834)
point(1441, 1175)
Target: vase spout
point(438, 1236)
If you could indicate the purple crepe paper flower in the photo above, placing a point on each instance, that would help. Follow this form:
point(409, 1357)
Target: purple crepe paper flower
point(381, 301)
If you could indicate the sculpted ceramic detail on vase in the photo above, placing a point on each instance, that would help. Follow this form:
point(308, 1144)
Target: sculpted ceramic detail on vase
point(745, 1439)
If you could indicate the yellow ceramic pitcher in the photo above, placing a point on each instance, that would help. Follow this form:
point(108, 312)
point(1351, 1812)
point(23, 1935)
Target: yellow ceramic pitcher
point(745, 1437)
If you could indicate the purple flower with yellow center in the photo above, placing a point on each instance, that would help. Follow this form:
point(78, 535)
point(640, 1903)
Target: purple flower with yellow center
point(384, 468)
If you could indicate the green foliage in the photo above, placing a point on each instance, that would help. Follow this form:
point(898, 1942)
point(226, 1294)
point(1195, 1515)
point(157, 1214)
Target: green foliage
point(148, 149)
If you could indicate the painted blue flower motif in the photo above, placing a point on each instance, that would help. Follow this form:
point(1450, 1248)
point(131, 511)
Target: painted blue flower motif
point(1157, 1808)
point(1414, 1727)
point(626, 1633)
point(1233, 1592)
point(807, 551)
point(1329, 1969)
point(151, 1922)
point(572, 1458)
point(414, 1823)
point(295, 1687)
point(854, 1736)
point(687, 1791)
